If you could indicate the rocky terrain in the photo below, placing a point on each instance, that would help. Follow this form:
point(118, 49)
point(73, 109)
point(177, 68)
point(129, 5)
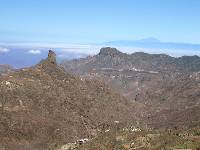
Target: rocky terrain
point(5, 68)
point(135, 138)
point(43, 107)
point(129, 139)
point(165, 89)
point(113, 104)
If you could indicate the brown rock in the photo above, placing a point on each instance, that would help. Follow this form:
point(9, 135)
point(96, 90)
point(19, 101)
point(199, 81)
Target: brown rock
point(52, 57)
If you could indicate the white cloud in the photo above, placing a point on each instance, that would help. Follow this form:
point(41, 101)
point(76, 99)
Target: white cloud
point(35, 52)
point(4, 50)
point(60, 46)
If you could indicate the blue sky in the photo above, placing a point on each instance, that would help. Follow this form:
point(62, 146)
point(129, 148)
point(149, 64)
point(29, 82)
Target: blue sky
point(94, 21)
point(77, 28)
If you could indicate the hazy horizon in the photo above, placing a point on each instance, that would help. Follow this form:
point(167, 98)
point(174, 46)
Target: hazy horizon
point(77, 28)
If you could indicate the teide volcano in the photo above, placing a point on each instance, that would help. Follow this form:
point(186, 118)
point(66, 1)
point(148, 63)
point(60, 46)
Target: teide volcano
point(44, 106)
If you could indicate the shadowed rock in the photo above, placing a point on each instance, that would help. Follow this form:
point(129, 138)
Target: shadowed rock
point(108, 51)
point(51, 57)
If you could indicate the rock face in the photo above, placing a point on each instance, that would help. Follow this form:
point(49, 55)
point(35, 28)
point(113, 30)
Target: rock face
point(52, 57)
point(108, 51)
point(162, 87)
point(44, 106)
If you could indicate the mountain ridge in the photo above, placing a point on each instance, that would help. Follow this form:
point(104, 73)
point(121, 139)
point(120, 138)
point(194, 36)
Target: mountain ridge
point(141, 60)
point(165, 85)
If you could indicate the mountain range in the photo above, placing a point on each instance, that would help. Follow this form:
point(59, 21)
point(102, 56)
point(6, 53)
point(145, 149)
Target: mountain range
point(111, 100)
point(26, 54)
point(165, 89)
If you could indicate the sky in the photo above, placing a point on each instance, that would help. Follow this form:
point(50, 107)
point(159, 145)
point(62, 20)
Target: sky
point(96, 21)
point(78, 28)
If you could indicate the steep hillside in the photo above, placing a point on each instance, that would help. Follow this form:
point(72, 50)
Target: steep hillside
point(162, 87)
point(146, 140)
point(43, 107)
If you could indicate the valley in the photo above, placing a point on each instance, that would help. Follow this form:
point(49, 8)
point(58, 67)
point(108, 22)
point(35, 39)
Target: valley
point(106, 101)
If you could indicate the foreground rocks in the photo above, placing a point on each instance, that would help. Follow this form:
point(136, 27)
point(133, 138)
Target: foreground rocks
point(5, 68)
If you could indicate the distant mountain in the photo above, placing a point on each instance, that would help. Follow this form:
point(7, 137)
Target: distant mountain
point(163, 87)
point(112, 58)
point(153, 43)
point(43, 107)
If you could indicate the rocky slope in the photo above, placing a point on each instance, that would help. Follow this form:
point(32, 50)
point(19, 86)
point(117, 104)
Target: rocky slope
point(146, 140)
point(165, 89)
point(5, 68)
point(43, 107)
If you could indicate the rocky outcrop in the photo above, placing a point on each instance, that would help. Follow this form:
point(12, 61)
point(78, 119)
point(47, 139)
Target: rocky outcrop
point(51, 57)
point(108, 51)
